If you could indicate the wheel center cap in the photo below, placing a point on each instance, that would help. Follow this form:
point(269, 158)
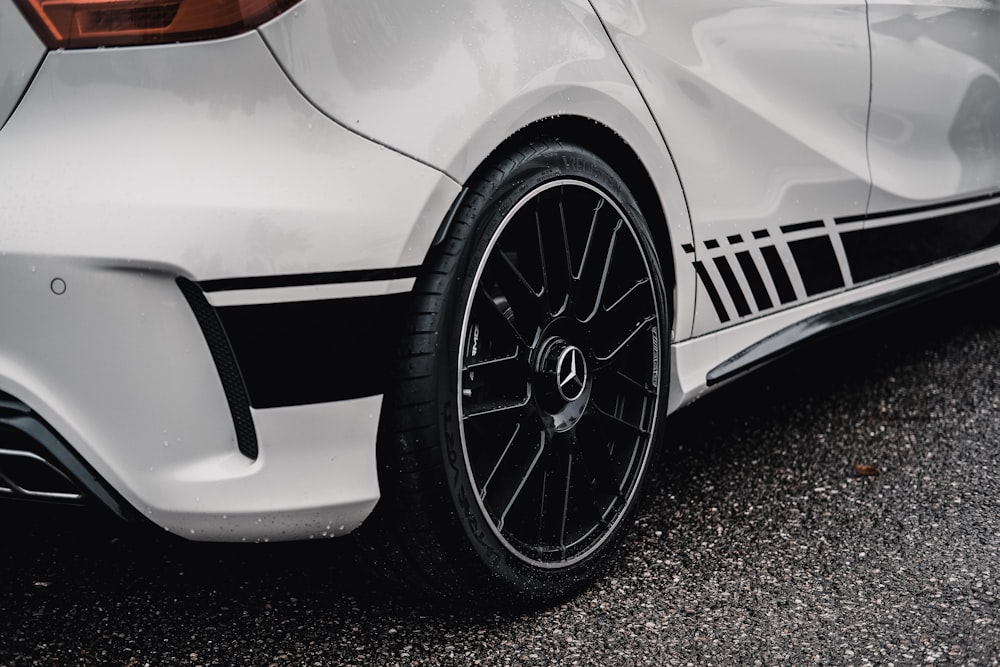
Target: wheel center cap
point(571, 373)
point(563, 382)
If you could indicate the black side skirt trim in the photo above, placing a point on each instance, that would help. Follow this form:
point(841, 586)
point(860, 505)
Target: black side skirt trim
point(783, 341)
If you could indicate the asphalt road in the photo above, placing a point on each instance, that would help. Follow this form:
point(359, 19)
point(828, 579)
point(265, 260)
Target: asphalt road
point(760, 543)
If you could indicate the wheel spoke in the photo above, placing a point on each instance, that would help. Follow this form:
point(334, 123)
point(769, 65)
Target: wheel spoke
point(500, 364)
point(495, 386)
point(614, 326)
point(605, 273)
point(555, 259)
point(614, 427)
point(500, 459)
point(550, 222)
point(543, 265)
point(525, 307)
point(495, 318)
point(512, 280)
point(506, 407)
point(554, 505)
point(632, 294)
point(616, 348)
point(591, 278)
point(585, 259)
point(624, 382)
point(507, 495)
point(565, 240)
point(515, 287)
point(595, 458)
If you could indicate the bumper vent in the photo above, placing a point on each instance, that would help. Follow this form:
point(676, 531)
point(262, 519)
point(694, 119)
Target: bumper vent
point(225, 364)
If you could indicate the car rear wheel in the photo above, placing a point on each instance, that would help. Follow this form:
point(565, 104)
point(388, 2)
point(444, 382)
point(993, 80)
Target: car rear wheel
point(515, 445)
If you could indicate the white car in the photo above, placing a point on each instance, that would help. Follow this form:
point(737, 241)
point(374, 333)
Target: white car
point(279, 269)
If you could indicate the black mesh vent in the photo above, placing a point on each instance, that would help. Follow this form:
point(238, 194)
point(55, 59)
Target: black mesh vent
point(225, 363)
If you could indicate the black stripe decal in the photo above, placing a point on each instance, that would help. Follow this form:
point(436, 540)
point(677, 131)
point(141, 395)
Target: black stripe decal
point(801, 226)
point(917, 209)
point(817, 264)
point(757, 288)
point(851, 218)
point(932, 207)
point(882, 251)
point(782, 283)
point(732, 286)
point(314, 351)
point(713, 294)
point(304, 279)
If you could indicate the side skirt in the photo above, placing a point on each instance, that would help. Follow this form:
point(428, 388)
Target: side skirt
point(785, 340)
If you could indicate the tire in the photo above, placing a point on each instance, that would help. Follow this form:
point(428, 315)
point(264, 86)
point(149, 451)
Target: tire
point(530, 388)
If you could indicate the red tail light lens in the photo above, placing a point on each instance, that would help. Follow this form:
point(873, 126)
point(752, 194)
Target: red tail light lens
point(86, 23)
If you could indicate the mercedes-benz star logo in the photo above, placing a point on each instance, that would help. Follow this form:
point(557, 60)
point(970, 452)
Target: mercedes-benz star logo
point(571, 373)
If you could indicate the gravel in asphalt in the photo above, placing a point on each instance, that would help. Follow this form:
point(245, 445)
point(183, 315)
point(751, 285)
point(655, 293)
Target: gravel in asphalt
point(766, 538)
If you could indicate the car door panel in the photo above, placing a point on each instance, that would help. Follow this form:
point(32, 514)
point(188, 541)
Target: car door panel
point(934, 135)
point(764, 109)
point(935, 117)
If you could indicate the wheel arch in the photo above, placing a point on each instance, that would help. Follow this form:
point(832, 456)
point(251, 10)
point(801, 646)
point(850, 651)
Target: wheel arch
point(619, 154)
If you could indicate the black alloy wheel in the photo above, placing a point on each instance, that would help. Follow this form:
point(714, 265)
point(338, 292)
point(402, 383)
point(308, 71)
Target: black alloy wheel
point(532, 384)
point(559, 373)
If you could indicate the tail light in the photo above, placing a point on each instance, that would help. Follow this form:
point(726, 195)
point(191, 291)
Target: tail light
point(87, 23)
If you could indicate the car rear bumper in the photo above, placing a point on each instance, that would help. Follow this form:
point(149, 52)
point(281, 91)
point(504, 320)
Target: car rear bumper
point(149, 191)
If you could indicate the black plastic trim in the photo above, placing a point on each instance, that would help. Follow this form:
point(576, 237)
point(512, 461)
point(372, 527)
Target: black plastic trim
point(785, 340)
point(305, 279)
point(225, 363)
